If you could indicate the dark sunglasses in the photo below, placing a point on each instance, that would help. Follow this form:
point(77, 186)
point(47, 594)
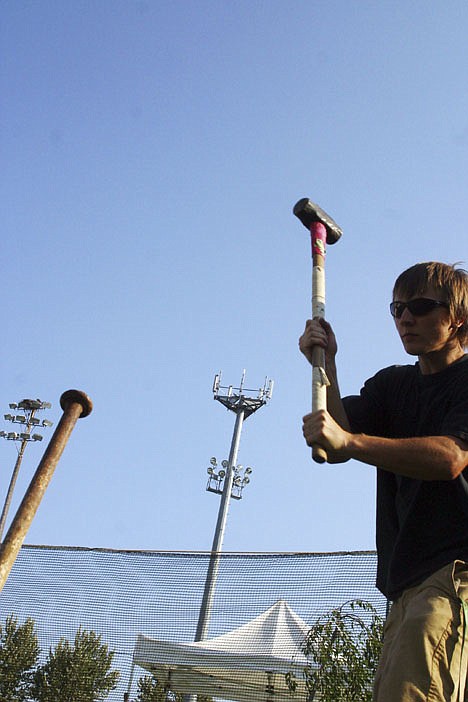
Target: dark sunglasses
point(418, 307)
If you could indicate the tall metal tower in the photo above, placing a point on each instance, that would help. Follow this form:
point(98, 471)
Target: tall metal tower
point(229, 481)
point(29, 422)
point(232, 479)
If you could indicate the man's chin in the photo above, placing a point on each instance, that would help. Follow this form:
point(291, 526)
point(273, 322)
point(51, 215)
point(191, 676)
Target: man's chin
point(411, 348)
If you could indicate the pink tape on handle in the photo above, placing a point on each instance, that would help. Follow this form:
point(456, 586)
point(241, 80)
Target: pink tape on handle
point(318, 238)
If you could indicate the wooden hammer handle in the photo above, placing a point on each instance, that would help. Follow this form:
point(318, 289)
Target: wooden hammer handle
point(318, 236)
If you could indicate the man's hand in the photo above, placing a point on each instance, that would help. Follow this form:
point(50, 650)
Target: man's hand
point(318, 332)
point(321, 429)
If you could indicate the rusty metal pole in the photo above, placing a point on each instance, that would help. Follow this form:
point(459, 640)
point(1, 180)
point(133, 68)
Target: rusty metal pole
point(75, 404)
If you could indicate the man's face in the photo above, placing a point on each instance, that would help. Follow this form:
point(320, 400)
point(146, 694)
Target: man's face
point(429, 333)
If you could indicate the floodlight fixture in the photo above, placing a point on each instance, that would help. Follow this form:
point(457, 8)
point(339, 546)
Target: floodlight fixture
point(37, 437)
point(21, 419)
point(46, 423)
point(216, 382)
point(29, 404)
point(235, 476)
point(13, 405)
point(9, 417)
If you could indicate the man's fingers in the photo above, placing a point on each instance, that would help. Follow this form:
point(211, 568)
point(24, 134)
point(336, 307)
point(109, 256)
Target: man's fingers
point(314, 335)
point(312, 425)
point(320, 428)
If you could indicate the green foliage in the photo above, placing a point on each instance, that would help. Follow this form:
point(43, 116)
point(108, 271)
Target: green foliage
point(343, 648)
point(150, 689)
point(19, 652)
point(76, 673)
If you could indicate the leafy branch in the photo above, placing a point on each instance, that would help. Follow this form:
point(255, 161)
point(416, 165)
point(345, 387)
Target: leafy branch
point(343, 648)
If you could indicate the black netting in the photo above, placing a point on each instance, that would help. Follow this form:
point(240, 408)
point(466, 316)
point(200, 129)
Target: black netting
point(120, 594)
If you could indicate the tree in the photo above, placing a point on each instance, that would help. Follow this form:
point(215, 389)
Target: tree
point(343, 648)
point(19, 652)
point(76, 673)
point(150, 689)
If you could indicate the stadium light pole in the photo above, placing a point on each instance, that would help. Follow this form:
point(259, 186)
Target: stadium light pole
point(236, 400)
point(29, 422)
point(229, 483)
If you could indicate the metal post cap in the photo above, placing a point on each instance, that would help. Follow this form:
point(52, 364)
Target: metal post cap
point(71, 396)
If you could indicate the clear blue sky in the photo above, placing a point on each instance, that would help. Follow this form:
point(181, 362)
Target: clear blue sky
point(151, 156)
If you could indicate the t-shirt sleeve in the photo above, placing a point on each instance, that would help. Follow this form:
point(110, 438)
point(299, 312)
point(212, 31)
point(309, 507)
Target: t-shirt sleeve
point(455, 422)
point(366, 411)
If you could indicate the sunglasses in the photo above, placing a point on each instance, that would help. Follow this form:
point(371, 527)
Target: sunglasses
point(418, 307)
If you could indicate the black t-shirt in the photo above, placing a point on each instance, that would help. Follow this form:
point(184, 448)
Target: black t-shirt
point(421, 524)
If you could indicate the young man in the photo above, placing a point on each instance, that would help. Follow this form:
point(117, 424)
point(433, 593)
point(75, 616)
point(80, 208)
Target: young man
point(412, 423)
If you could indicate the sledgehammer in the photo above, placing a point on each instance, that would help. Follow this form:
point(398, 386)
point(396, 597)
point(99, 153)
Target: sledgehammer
point(323, 230)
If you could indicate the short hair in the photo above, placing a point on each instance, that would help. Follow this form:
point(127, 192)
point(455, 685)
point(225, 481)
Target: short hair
point(450, 280)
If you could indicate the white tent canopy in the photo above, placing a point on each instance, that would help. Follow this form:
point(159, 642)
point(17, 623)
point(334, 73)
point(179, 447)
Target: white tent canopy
point(245, 665)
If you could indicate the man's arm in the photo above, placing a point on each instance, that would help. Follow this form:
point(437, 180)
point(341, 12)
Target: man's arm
point(422, 458)
point(334, 402)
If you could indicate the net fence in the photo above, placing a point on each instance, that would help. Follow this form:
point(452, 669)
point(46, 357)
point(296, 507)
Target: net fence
point(145, 606)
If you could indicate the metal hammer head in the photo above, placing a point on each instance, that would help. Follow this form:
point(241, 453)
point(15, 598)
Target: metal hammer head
point(308, 212)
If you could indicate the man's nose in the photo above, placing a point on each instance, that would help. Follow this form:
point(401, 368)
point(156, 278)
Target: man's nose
point(406, 317)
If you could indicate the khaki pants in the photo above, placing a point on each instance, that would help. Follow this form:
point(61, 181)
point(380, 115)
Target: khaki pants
point(425, 650)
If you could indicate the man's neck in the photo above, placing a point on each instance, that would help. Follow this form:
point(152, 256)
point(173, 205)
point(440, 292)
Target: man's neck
point(437, 361)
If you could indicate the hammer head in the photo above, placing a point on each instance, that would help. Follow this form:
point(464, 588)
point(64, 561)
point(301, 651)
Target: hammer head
point(308, 212)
